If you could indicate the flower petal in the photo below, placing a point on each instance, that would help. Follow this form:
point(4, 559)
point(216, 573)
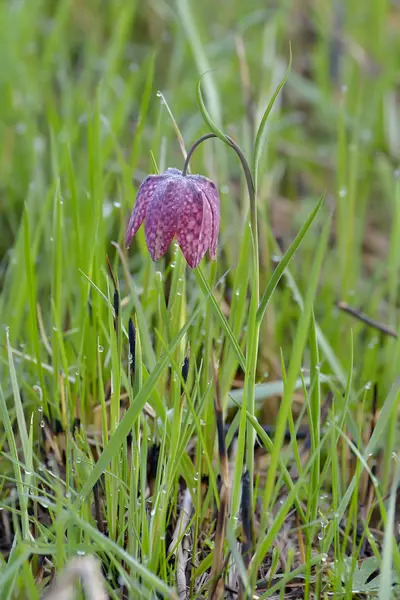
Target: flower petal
point(209, 188)
point(162, 218)
point(194, 225)
point(144, 195)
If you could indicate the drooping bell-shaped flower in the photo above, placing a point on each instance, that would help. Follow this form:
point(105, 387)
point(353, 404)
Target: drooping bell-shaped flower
point(185, 206)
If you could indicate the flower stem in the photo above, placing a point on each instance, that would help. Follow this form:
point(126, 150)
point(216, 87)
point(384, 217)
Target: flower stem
point(253, 324)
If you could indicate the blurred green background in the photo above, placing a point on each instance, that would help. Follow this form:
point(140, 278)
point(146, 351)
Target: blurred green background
point(334, 130)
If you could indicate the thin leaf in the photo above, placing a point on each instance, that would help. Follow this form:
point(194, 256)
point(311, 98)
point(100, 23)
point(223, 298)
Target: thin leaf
point(285, 260)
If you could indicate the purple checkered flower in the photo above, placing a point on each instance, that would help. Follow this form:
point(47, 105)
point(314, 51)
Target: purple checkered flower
point(185, 206)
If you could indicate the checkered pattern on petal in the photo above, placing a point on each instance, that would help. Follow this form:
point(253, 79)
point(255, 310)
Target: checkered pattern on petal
point(209, 189)
point(194, 225)
point(162, 218)
point(144, 195)
point(172, 204)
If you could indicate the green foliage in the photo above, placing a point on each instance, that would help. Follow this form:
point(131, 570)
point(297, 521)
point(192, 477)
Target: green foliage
point(81, 125)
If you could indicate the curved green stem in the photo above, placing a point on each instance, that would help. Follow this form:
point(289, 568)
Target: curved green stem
point(253, 327)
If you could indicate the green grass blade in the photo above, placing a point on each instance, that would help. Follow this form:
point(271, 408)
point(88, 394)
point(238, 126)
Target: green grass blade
point(285, 260)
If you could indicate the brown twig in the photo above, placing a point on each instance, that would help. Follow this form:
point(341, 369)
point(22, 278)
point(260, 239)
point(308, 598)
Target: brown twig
point(358, 314)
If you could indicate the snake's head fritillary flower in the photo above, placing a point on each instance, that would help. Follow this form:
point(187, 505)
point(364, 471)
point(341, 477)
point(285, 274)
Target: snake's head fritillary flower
point(185, 206)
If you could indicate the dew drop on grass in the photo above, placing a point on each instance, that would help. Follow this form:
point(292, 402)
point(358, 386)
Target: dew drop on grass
point(101, 348)
point(368, 385)
point(42, 424)
point(162, 537)
point(342, 193)
point(78, 460)
point(196, 477)
point(40, 409)
point(80, 552)
point(117, 204)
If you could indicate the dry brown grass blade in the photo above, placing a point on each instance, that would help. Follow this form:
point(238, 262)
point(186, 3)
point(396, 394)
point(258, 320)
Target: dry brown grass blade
point(217, 577)
point(85, 569)
point(247, 535)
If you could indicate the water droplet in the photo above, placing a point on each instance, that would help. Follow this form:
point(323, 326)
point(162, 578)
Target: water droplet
point(80, 552)
point(153, 512)
point(196, 477)
point(368, 385)
point(101, 348)
point(173, 265)
point(28, 472)
point(237, 292)
point(342, 193)
point(344, 89)
point(159, 94)
point(78, 460)
point(42, 424)
point(68, 494)
point(51, 239)
point(324, 558)
point(117, 204)
point(20, 128)
point(162, 537)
